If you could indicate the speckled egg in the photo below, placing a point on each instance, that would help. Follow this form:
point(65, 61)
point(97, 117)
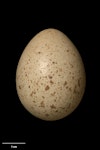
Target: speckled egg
point(50, 76)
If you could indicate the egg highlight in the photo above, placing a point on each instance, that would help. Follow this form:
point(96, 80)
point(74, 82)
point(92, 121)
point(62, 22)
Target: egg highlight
point(50, 76)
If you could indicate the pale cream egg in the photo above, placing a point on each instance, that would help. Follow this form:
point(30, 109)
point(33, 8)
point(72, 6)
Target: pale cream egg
point(50, 76)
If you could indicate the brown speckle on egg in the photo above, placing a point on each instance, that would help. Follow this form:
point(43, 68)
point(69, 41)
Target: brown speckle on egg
point(79, 82)
point(70, 73)
point(37, 83)
point(56, 71)
point(65, 83)
point(45, 76)
point(19, 87)
point(60, 88)
point(53, 106)
point(42, 104)
point(66, 87)
point(59, 75)
point(39, 52)
point(33, 92)
point(70, 89)
point(60, 69)
point(47, 88)
point(50, 76)
point(47, 115)
point(75, 90)
point(62, 107)
point(54, 62)
point(43, 97)
point(71, 65)
point(52, 94)
point(51, 82)
point(56, 111)
point(65, 64)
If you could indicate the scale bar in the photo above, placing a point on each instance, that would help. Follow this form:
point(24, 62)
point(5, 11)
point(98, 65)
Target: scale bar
point(17, 143)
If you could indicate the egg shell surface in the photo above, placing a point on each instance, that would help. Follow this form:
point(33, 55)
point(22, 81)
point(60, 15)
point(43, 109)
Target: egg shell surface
point(50, 76)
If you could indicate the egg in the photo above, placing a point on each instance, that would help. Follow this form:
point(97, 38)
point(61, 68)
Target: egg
point(50, 76)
